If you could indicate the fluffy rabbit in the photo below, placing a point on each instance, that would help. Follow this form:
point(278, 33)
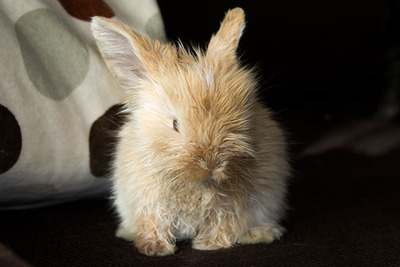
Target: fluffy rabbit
point(198, 156)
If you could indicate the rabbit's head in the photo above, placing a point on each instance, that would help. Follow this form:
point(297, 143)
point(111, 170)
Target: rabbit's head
point(191, 112)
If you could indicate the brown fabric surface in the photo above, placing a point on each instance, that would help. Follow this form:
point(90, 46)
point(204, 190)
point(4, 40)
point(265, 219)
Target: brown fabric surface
point(345, 212)
point(9, 259)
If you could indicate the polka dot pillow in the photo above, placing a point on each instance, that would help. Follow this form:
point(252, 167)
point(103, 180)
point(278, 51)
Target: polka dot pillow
point(58, 101)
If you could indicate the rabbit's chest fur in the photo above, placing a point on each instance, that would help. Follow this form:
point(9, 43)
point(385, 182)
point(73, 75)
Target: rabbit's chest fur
point(187, 213)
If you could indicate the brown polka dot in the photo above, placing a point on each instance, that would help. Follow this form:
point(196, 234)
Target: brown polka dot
point(85, 10)
point(102, 140)
point(10, 139)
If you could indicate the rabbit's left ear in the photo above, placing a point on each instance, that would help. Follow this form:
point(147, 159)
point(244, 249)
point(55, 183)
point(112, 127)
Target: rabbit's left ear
point(226, 40)
point(129, 56)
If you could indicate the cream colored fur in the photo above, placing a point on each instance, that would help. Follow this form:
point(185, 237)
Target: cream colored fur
point(220, 177)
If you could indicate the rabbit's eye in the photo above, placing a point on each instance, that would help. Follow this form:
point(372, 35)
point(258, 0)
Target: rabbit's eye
point(175, 125)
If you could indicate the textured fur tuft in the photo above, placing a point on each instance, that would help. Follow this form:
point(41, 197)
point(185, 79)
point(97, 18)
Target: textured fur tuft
point(198, 157)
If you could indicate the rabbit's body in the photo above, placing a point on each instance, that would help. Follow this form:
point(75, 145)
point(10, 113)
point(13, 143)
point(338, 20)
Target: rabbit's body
point(198, 157)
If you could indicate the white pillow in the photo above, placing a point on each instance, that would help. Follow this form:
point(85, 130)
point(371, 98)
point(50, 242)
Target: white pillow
point(58, 101)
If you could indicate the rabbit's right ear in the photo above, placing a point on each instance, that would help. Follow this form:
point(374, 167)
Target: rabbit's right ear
point(224, 43)
point(128, 55)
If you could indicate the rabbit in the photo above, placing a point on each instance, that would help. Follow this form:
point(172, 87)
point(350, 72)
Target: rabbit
point(199, 157)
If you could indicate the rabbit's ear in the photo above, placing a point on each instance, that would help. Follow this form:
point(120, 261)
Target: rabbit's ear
point(225, 41)
point(128, 55)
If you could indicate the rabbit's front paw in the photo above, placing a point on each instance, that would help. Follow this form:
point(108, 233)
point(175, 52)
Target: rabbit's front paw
point(125, 233)
point(155, 247)
point(265, 233)
point(209, 245)
point(153, 239)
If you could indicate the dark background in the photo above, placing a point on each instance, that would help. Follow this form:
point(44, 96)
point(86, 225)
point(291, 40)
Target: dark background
point(317, 53)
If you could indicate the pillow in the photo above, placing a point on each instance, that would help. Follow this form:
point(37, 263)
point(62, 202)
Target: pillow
point(58, 101)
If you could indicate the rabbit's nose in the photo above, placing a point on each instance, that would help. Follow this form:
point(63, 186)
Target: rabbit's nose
point(216, 174)
point(210, 176)
point(211, 163)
